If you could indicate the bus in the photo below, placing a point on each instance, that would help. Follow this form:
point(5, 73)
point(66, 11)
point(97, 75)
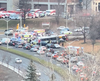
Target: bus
point(52, 38)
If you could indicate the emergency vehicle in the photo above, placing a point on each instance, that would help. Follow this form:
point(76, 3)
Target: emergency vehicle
point(50, 12)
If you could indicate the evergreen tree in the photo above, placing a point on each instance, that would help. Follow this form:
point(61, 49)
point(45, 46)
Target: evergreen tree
point(31, 76)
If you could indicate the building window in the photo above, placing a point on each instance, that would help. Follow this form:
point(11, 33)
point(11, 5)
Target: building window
point(98, 6)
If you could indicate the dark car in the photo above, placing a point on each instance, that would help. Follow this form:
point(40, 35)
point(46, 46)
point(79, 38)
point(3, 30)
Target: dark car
point(49, 45)
point(27, 46)
point(12, 43)
point(43, 43)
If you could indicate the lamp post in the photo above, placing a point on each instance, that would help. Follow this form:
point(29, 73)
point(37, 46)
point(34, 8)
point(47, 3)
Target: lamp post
point(69, 56)
point(7, 20)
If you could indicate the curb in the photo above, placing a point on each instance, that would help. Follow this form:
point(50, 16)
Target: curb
point(13, 69)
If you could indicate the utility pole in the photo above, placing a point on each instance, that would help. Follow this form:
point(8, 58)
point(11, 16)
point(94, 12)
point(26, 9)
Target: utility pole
point(32, 5)
point(66, 11)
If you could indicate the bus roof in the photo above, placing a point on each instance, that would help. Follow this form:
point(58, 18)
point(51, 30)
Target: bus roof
point(52, 36)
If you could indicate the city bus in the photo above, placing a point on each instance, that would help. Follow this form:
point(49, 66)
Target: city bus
point(52, 38)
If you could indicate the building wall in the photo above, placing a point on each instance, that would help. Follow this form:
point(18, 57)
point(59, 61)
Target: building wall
point(95, 5)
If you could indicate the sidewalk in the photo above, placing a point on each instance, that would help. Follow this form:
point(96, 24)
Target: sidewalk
point(8, 75)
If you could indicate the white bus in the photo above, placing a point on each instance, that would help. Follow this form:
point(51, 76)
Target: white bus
point(52, 38)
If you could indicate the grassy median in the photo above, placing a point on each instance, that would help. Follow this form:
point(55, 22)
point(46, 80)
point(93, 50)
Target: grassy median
point(62, 72)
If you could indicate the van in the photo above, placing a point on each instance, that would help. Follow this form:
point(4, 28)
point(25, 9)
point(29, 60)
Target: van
point(14, 16)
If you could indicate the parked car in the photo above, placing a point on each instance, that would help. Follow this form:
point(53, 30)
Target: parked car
point(18, 60)
point(14, 16)
point(78, 29)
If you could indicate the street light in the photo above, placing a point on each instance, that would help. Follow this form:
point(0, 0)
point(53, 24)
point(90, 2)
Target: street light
point(69, 55)
point(7, 20)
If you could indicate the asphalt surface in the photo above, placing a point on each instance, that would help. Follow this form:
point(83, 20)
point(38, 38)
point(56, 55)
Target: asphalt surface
point(45, 72)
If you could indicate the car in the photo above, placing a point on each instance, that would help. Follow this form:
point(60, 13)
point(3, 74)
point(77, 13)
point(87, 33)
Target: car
point(59, 58)
point(42, 48)
point(54, 56)
point(27, 46)
point(18, 60)
point(78, 29)
point(5, 40)
point(35, 46)
point(57, 46)
point(49, 54)
point(75, 67)
point(65, 32)
point(74, 59)
point(49, 45)
point(50, 50)
point(61, 27)
point(80, 63)
point(18, 45)
point(12, 43)
point(65, 61)
point(40, 52)
point(33, 49)
point(9, 33)
point(38, 73)
point(0, 43)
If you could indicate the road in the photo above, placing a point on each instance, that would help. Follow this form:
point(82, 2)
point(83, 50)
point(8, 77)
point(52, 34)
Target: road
point(45, 72)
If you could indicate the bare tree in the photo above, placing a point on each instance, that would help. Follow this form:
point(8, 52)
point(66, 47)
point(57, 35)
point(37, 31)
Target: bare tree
point(83, 21)
point(86, 4)
point(24, 6)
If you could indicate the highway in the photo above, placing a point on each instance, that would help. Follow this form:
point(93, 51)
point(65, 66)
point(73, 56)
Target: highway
point(45, 72)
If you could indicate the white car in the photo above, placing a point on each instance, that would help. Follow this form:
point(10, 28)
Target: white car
point(5, 40)
point(78, 30)
point(40, 52)
point(18, 60)
point(38, 73)
point(80, 63)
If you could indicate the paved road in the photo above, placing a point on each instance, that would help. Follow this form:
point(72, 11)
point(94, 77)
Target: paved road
point(23, 66)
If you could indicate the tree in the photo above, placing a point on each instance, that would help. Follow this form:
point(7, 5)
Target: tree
point(24, 6)
point(86, 4)
point(93, 30)
point(83, 21)
point(31, 76)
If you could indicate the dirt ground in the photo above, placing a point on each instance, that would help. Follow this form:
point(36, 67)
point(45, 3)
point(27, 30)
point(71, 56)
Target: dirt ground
point(88, 47)
point(8, 75)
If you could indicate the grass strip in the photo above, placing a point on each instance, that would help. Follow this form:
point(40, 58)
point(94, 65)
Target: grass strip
point(59, 70)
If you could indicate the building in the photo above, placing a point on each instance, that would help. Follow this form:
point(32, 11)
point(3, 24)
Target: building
point(95, 5)
point(72, 5)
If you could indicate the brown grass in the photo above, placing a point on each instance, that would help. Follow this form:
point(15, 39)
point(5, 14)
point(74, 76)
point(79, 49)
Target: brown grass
point(88, 47)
